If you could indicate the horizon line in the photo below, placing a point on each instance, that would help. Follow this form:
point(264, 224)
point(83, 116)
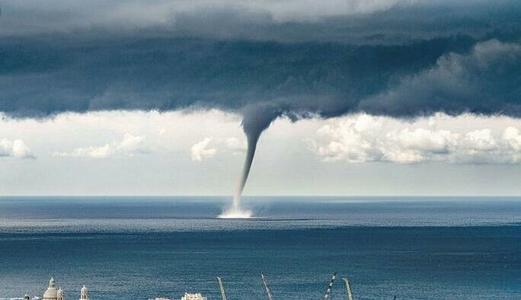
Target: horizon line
point(260, 196)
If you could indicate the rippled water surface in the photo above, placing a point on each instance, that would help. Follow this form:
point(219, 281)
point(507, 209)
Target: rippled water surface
point(136, 248)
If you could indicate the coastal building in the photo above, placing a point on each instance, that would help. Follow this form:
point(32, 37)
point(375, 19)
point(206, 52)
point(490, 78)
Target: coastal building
point(84, 293)
point(187, 296)
point(196, 296)
point(53, 293)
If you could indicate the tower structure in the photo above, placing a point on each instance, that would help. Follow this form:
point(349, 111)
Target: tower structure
point(52, 292)
point(84, 293)
point(348, 289)
point(266, 287)
point(223, 293)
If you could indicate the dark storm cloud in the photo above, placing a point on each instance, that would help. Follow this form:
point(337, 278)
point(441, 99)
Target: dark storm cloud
point(299, 60)
point(38, 77)
point(485, 81)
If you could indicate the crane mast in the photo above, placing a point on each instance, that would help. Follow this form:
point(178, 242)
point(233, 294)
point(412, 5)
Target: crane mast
point(223, 294)
point(348, 288)
point(266, 287)
point(327, 295)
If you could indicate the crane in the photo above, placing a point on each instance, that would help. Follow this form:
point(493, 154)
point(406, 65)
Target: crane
point(223, 294)
point(266, 287)
point(327, 295)
point(348, 288)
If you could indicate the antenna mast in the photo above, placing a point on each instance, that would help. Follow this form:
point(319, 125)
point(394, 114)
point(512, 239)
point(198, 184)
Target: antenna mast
point(327, 295)
point(268, 290)
point(348, 288)
point(223, 294)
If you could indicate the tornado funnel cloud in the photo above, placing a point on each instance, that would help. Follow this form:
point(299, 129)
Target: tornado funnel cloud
point(235, 211)
point(250, 154)
point(255, 120)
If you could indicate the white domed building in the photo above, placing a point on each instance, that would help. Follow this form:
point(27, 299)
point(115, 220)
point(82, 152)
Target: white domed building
point(52, 293)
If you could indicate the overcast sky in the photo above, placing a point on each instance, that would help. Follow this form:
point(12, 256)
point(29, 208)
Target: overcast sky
point(383, 97)
point(201, 153)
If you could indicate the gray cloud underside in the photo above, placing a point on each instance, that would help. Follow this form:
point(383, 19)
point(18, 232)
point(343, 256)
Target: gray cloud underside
point(399, 58)
point(351, 21)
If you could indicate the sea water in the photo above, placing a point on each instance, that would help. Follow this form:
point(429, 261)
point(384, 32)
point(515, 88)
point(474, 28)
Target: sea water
point(144, 247)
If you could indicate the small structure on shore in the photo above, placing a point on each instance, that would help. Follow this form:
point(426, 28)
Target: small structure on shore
point(53, 293)
point(56, 293)
point(196, 296)
point(84, 293)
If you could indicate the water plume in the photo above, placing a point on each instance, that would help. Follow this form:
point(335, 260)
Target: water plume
point(255, 120)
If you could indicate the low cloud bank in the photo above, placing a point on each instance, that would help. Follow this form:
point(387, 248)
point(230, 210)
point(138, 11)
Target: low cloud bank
point(441, 138)
point(209, 147)
point(130, 145)
point(15, 148)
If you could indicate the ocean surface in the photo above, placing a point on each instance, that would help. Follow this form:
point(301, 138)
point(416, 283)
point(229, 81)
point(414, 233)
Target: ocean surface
point(140, 248)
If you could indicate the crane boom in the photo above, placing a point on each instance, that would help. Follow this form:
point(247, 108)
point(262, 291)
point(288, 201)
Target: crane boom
point(223, 294)
point(348, 288)
point(266, 287)
point(327, 295)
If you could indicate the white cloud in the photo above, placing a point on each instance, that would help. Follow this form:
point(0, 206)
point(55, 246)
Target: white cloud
point(480, 140)
point(16, 148)
point(210, 146)
point(416, 145)
point(128, 146)
point(364, 138)
point(201, 151)
point(351, 141)
point(512, 136)
point(283, 164)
